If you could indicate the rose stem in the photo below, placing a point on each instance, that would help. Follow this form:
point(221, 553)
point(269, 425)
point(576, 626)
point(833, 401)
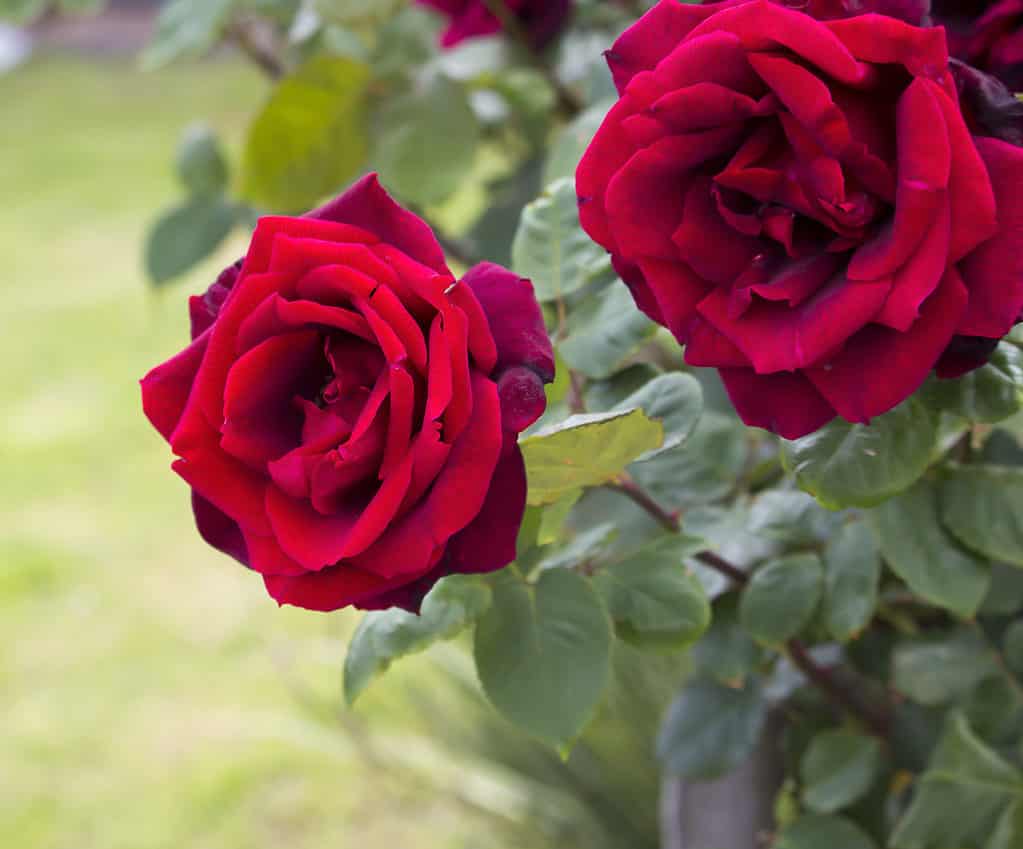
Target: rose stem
point(844, 697)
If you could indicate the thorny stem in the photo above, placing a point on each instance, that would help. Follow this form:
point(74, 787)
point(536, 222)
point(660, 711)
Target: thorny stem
point(846, 698)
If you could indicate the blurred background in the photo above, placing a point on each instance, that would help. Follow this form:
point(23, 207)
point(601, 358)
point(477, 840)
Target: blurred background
point(152, 694)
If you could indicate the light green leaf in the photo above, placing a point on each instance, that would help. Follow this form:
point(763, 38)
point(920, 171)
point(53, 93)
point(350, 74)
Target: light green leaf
point(603, 331)
point(854, 465)
point(1009, 833)
point(823, 832)
point(586, 450)
point(424, 142)
point(710, 729)
point(573, 140)
point(186, 28)
point(961, 797)
point(676, 400)
point(202, 166)
point(21, 11)
point(310, 137)
point(384, 636)
point(852, 572)
point(554, 516)
point(543, 653)
point(186, 235)
point(838, 769)
point(983, 507)
point(988, 394)
point(550, 248)
point(652, 599)
point(781, 597)
point(921, 553)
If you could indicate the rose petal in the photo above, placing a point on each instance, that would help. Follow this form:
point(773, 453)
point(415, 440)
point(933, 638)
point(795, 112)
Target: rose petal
point(219, 530)
point(786, 404)
point(166, 389)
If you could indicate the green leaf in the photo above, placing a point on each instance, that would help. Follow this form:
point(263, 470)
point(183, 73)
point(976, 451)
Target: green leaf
point(1009, 832)
point(1012, 642)
point(425, 141)
point(582, 549)
point(983, 507)
point(550, 248)
point(586, 450)
point(1005, 593)
point(603, 331)
point(921, 553)
point(838, 769)
point(852, 572)
point(185, 235)
point(186, 28)
point(781, 597)
point(384, 636)
point(676, 400)
point(554, 516)
point(202, 166)
point(543, 653)
point(309, 139)
point(572, 142)
point(960, 798)
point(823, 832)
point(794, 518)
point(726, 652)
point(855, 465)
point(22, 11)
point(710, 729)
point(988, 394)
point(652, 599)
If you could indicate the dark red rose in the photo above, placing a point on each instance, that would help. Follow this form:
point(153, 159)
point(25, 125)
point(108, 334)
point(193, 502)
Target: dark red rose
point(803, 205)
point(347, 413)
point(541, 20)
point(987, 35)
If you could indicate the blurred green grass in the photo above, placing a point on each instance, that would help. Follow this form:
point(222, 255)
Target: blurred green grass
point(147, 684)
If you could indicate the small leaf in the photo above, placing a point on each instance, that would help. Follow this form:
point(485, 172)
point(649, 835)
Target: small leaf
point(855, 465)
point(710, 729)
point(961, 797)
point(384, 636)
point(310, 138)
point(202, 166)
point(940, 670)
point(823, 832)
point(794, 518)
point(983, 507)
point(852, 572)
point(186, 235)
point(781, 597)
point(586, 450)
point(543, 653)
point(674, 399)
point(988, 394)
point(726, 652)
point(550, 248)
point(921, 553)
point(838, 769)
point(186, 28)
point(424, 142)
point(652, 599)
point(604, 330)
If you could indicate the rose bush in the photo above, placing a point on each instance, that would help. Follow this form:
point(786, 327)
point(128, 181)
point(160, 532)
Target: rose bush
point(804, 205)
point(987, 35)
point(347, 413)
point(541, 20)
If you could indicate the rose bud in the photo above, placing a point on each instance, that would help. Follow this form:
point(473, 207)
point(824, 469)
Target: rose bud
point(539, 20)
point(347, 413)
point(803, 204)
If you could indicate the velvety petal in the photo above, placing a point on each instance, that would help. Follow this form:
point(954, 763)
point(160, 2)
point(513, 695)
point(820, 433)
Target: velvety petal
point(330, 589)
point(429, 454)
point(165, 390)
point(203, 310)
point(634, 279)
point(708, 346)
point(267, 558)
point(278, 315)
point(994, 272)
point(459, 409)
point(399, 420)
point(905, 359)
point(786, 404)
point(963, 355)
point(882, 40)
point(368, 206)
point(702, 106)
point(523, 399)
point(271, 229)
point(717, 57)
point(381, 510)
point(313, 540)
point(219, 530)
point(677, 289)
point(482, 347)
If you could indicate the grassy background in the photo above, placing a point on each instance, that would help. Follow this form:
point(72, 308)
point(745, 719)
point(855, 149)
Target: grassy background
point(149, 689)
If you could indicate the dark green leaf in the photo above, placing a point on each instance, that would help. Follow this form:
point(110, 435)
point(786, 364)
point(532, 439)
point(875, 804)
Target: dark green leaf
point(852, 571)
point(823, 832)
point(202, 167)
point(186, 28)
point(675, 400)
point(186, 235)
point(543, 653)
point(983, 507)
point(710, 729)
point(921, 553)
point(603, 331)
point(988, 394)
point(573, 140)
point(781, 597)
point(837, 769)
point(793, 518)
point(310, 137)
point(384, 636)
point(1005, 594)
point(853, 465)
point(1009, 832)
point(1013, 647)
point(726, 652)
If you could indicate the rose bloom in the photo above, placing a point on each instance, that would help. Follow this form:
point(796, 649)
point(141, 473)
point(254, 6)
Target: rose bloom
point(804, 205)
point(988, 35)
point(541, 20)
point(347, 413)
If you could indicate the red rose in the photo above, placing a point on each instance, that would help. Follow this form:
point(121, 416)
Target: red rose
point(347, 412)
point(986, 35)
point(541, 20)
point(803, 205)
